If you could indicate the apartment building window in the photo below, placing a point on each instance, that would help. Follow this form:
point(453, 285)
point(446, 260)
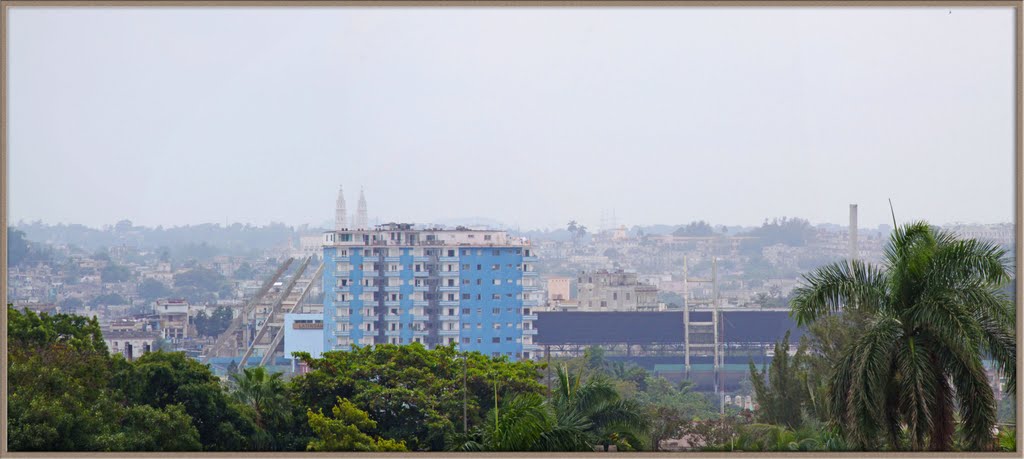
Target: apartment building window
point(451, 340)
point(497, 326)
point(478, 297)
point(369, 327)
point(496, 296)
point(465, 296)
point(497, 281)
point(451, 297)
point(496, 252)
point(495, 267)
point(508, 324)
point(465, 326)
point(417, 267)
point(451, 282)
point(508, 339)
point(479, 310)
point(479, 326)
point(487, 237)
point(465, 267)
point(451, 311)
point(478, 267)
point(479, 282)
point(615, 295)
point(465, 252)
point(465, 281)
point(604, 304)
point(465, 310)
point(394, 311)
point(465, 340)
point(496, 340)
point(479, 341)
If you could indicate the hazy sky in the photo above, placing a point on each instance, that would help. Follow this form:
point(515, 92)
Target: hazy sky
point(527, 116)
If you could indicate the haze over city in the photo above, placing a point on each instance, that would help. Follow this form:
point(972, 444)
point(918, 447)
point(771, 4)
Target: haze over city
point(526, 116)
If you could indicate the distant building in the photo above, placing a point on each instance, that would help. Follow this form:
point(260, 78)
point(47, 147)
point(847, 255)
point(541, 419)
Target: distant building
point(559, 288)
point(399, 285)
point(131, 343)
point(305, 333)
point(175, 318)
point(615, 291)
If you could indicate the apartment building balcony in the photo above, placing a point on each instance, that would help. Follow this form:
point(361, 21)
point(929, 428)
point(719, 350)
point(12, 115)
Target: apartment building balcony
point(392, 273)
point(448, 259)
point(530, 273)
point(531, 331)
point(531, 347)
point(393, 304)
point(420, 332)
point(343, 333)
point(345, 273)
point(529, 316)
point(392, 288)
point(420, 303)
point(448, 332)
point(420, 259)
point(532, 259)
point(392, 259)
point(420, 318)
point(343, 288)
point(392, 317)
point(531, 303)
point(420, 274)
point(448, 288)
point(392, 332)
point(342, 304)
point(531, 288)
point(448, 273)
point(447, 318)
point(449, 302)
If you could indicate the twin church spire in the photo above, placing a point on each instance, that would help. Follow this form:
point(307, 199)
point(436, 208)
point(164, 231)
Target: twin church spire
point(360, 221)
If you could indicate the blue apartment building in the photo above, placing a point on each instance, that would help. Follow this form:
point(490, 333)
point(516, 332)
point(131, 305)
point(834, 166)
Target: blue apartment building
point(477, 289)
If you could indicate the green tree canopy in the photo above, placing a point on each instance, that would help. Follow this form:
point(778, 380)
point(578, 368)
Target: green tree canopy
point(345, 432)
point(413, 394)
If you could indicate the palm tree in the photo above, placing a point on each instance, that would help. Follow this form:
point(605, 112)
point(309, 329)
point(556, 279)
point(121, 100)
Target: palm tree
point(264, 394)
point(933, 308)
point(611, 419)
point(526, 422)
point(578, 416)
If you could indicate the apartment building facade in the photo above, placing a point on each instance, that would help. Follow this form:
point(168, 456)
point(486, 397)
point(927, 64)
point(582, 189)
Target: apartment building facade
point(605, 290)
point(395, 284)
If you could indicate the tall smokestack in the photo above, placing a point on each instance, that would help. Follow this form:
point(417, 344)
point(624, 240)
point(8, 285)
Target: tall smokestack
point(853, 232)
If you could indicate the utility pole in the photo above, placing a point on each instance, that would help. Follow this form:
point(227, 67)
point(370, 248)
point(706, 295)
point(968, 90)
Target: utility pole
point(547, 352)
point(465, 417)
point(686, 318)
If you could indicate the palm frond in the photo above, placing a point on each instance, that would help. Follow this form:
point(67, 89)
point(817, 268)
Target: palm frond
point(873, 366)
point(976, 402)
point(915, 389)
point(829, 288)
